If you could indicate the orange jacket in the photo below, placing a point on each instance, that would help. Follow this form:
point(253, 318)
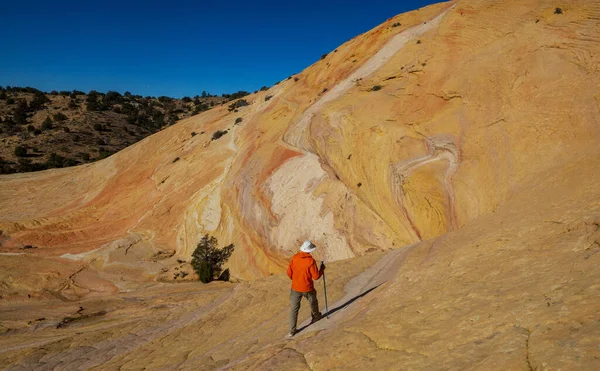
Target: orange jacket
point(302, 271)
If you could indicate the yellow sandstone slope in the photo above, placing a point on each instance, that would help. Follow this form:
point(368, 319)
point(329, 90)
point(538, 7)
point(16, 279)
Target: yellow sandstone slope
point(518, 289)
point(465, 141)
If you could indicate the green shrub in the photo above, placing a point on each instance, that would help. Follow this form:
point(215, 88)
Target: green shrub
point(10, 101)
point(92, 101)
point(38, 102)
point(238, 94)
point(132, 117)
point(205, 272)
point(207, 259)
point(218, 134)
point(397, 24)
point(158, 119)
point(558, 11)
point(127, 108)
point(376, 88)
point(237, 104)
point(20, 113)
point(59, 116)
point(225, 275)
point(59, 161)
point(268, 98)
point(200, 107)
point(103, 154)
point(47, 124)
point(238, 120)
point(111, 98)
point(20, 151)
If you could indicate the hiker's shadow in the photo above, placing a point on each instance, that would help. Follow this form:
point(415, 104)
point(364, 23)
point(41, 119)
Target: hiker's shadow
point(342, 306)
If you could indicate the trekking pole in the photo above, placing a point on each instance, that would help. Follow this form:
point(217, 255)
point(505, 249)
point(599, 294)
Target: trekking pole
point(325, 292)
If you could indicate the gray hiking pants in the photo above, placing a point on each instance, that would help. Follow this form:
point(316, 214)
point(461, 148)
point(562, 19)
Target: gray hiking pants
point(295, 298)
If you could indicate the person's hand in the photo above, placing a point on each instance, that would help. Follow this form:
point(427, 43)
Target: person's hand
point(322, 268)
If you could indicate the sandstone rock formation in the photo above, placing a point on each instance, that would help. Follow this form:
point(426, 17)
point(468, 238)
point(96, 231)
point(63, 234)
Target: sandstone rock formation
point(465, 141)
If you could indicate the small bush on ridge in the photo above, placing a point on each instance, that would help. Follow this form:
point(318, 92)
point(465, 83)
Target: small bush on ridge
point(218, 134)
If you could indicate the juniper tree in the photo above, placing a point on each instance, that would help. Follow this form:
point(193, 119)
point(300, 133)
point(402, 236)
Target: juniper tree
point(207, 259)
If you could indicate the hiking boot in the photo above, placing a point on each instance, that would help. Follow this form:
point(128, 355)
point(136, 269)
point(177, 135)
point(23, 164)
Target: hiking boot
point(291, 334)
point(316, 318)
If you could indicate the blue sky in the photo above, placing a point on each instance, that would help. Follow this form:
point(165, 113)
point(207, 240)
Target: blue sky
point(175, 48)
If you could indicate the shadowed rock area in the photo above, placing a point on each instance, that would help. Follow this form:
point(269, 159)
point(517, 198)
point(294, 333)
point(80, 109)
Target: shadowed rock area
point(447, 168)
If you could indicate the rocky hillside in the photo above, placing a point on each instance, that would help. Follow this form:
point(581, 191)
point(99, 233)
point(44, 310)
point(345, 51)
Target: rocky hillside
point(446, 163)
point(59, 129)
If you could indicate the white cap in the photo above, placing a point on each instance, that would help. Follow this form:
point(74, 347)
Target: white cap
point(307, 246)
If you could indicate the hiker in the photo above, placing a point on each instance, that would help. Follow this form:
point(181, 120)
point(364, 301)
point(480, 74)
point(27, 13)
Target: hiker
point(302, 271)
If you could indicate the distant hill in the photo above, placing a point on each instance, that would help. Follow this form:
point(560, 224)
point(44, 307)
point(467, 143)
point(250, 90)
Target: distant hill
point(40, 130)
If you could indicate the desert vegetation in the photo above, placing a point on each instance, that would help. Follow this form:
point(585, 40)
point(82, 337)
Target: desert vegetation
point(218, 134)
point(208, 259)
point(237, 104)
point(63, 125)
